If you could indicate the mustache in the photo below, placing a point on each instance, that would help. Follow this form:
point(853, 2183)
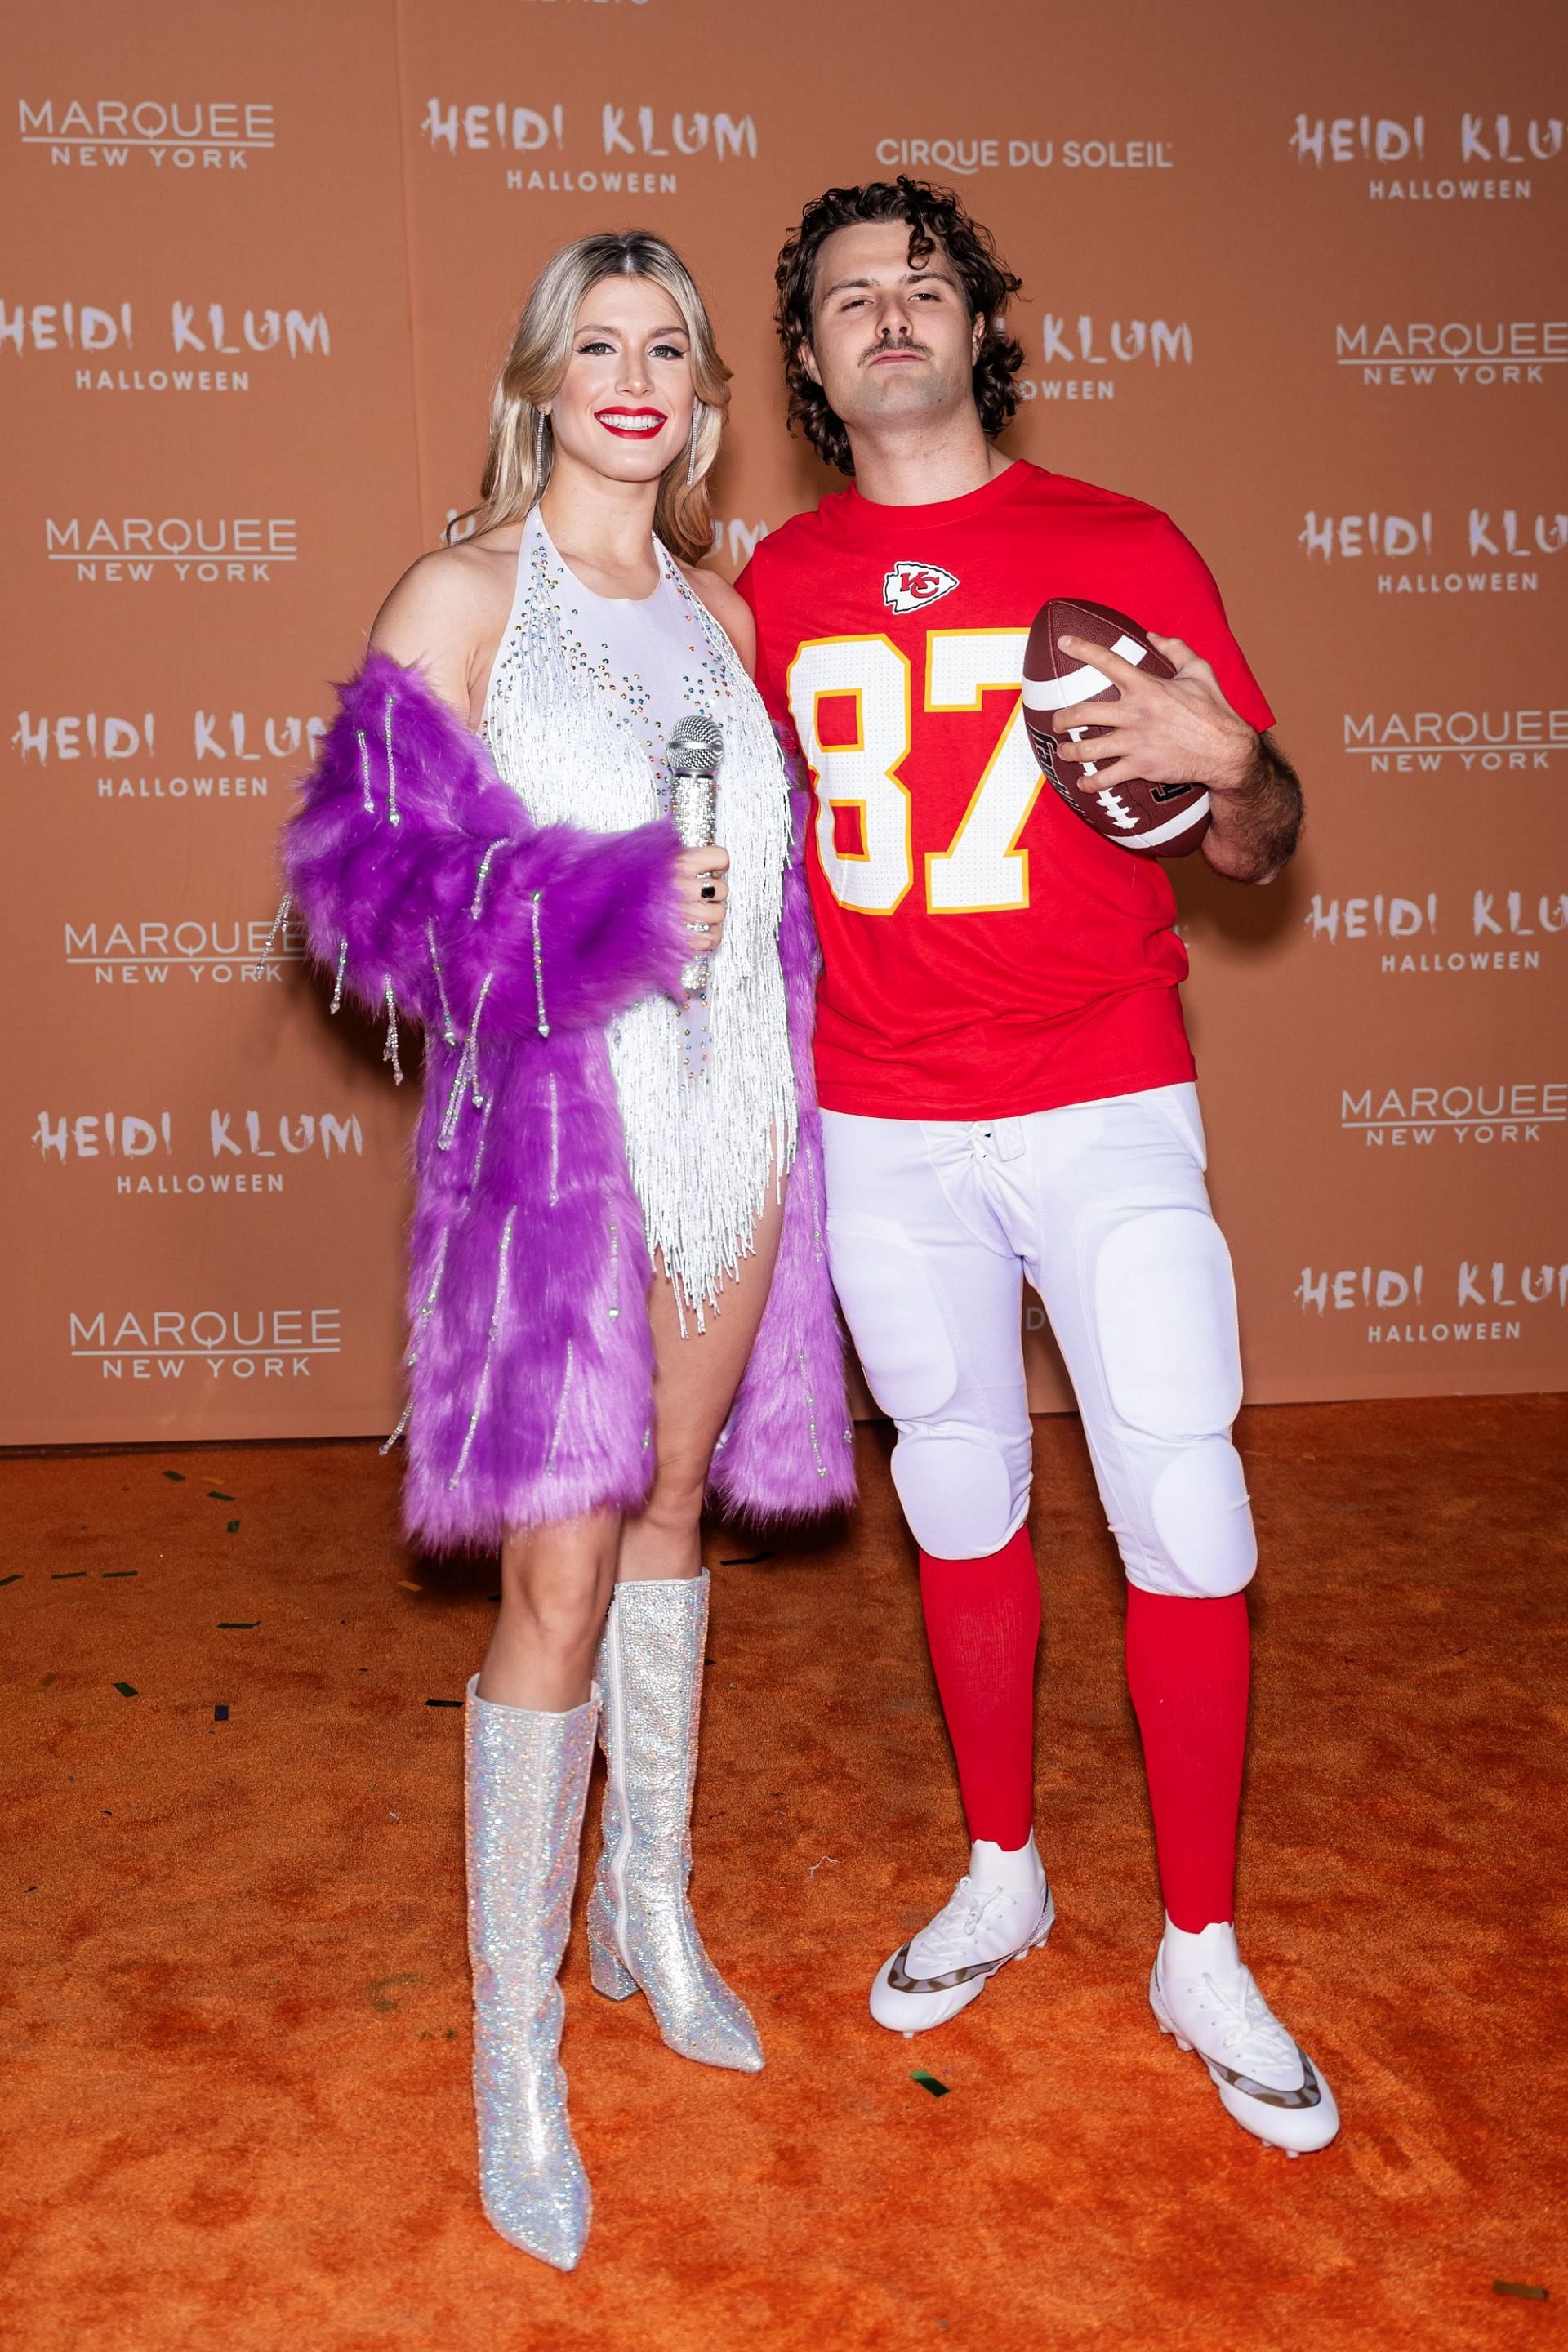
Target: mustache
point(895, 344)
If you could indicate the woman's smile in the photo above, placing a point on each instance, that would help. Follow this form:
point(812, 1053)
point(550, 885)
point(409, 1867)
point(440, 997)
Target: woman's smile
point(632, 423)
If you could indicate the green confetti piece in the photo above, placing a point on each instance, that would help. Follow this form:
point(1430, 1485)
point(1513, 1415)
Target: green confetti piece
point(234, 1526)
point(12, 1580)
point(216, 1495)
point(237, 1624)
point(177, 1475)
point(443, 1702)
point(122, 1572)
point(64, 1575)
point(1512, 2287)
point(750, 1560)
point(126, 1690)
point(928, 2082)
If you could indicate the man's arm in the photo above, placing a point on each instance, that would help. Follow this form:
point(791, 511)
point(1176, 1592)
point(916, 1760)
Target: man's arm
point(1254, 827)
point(1182, 730)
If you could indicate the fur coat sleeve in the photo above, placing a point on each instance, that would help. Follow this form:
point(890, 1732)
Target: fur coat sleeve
point(424, 887)
point(425, 884)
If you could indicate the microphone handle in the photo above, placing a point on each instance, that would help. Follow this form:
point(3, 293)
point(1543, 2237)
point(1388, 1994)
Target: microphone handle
point(694, 805)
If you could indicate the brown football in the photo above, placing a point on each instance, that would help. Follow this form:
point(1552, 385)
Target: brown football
point(1154, 820)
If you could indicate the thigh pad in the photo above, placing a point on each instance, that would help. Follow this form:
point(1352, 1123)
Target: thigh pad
point(1164, 1312)
point(896, 1316)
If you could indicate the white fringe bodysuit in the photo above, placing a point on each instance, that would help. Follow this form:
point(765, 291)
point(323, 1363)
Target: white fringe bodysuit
point(585, 691)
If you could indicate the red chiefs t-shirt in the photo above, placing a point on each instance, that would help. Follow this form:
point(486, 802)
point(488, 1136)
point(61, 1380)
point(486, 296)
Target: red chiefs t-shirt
point(985, 954)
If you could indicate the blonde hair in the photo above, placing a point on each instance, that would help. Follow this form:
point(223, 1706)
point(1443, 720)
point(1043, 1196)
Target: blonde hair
point(521, 448)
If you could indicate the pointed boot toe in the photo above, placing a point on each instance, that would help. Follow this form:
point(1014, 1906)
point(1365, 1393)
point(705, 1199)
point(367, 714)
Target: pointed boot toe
point(642, 1934)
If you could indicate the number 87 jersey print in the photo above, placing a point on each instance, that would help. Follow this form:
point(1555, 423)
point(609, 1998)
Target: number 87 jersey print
point(985, 954)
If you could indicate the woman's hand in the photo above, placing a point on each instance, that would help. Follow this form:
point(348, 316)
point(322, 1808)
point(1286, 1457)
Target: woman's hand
point(700, 893)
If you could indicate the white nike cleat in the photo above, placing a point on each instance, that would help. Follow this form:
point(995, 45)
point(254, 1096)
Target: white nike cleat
point(1211, 2004)
point(949, 1964)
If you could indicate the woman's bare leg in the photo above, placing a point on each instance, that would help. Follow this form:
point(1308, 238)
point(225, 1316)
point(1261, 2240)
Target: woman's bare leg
point(556, 1581)
point(695, 1383)
point(556, 1585)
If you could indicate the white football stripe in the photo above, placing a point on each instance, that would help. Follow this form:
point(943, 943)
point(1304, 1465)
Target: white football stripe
point(1079, 685)
point(1174, 824)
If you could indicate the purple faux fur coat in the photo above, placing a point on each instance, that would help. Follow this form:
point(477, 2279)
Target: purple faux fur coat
point(427, 890)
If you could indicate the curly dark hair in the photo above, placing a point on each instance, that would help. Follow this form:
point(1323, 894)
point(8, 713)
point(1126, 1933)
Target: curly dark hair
point(935, 217)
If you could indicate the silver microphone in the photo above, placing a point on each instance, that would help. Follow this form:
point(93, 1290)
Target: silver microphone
point(692, 756)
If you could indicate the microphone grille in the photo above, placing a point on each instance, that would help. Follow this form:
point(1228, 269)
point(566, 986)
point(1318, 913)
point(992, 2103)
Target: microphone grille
point(695, 747)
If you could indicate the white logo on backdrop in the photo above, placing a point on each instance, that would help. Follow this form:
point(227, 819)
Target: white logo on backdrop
point(1494, 1112)
point(236, 1343)
point(214, 953)
point(226, 749)
point(1421, 742)
point(1472, 153)
point(649, 135)
point(172, 134)
point(1498, 533)
point(964, 156)
point(140, 1153)
point(1490, 915)
point(184, 548)
point(1109, 346)
point(1426, 351)
point(202, 330)
point(1463, 1299)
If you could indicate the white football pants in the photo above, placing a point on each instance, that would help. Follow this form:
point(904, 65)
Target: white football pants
point(932, 1225)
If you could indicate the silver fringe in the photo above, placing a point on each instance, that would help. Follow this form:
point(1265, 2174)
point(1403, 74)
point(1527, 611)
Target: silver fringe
point(554, 1142)
point(484, 1134)
point(368, 798)
point(503, 1255)
point(541, 1024)
point(476, 905)
point(427, 1304)
point(561, 1408)
point(338, 979)
point(810, 1412)
point(389, 1051)
point(702, 1155)
point(270, 942)
point(403, 1418)
point(449, 1035)
point(467, 1075)
point(392, 815)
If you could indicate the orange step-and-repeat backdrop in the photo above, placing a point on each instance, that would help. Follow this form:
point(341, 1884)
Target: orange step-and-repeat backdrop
point(1291, 276)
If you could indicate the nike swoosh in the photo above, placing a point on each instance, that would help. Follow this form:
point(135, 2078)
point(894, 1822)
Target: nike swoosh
point(900, 1983)
point(1309, 2095)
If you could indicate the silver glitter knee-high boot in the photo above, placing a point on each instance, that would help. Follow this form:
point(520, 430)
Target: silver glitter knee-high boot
point(527, 1780)
point(641, 1934)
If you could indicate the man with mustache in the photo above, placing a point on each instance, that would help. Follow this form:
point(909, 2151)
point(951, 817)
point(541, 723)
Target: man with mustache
point(1006, 1085)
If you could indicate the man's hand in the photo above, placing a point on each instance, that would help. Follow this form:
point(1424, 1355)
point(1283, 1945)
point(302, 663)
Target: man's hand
point(1182, 730)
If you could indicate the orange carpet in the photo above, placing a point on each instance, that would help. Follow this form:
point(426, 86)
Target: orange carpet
point(236, 2023)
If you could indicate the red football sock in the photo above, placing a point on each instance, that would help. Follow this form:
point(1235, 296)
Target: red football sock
point(982, 1623)
point(1187, 1668)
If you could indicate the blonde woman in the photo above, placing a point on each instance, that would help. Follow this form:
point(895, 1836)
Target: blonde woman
point(618, 1295)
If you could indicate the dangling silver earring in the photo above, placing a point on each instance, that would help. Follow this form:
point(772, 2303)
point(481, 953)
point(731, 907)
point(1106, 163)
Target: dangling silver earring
point(541, 440)
point(696, 414)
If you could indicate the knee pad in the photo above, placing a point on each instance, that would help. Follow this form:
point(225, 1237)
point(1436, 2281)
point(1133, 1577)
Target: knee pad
point(1165, 1315)
point(1198, 1540)
point(1165, 1309)
point(963, 1490)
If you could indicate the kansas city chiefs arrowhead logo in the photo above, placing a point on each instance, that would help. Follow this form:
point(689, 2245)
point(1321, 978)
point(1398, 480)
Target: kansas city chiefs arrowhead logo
point(908, 586)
